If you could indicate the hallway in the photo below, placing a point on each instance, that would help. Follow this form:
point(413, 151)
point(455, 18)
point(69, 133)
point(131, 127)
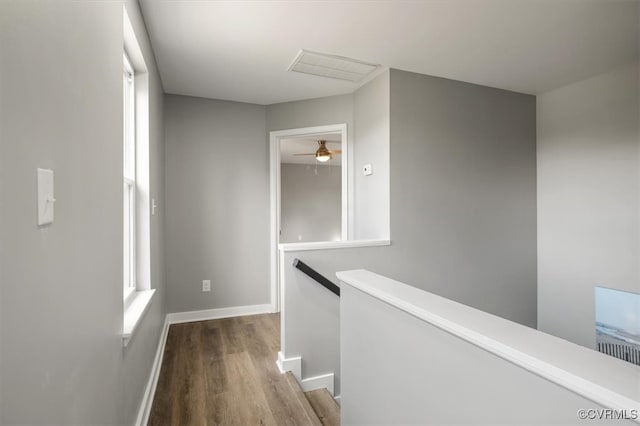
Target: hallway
point(223, 372)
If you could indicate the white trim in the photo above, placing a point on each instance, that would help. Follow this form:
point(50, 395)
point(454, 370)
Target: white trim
point(131, 44)
point(318, 382)
point(147, 399)
point(597, 377)
point(338, 399)
point(143, 184)
point(290, 364)
point(346, 184)
point(311, 383)
point(274, 197)
point(128, 297)
point(209, 314)
point(309, 131)
point(332, 245)
point(138, 305)
point(274, 193)
point(349, 175)
point(282, 290)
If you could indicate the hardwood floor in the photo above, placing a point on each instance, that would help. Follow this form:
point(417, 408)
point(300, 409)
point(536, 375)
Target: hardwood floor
point(324, 406)
point(223, 372)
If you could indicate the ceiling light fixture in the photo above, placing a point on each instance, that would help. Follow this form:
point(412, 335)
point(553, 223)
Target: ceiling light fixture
point(323, 154)
point(331, 66)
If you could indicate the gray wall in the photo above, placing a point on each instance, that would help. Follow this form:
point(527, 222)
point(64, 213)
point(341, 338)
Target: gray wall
point(61, 308)
point(310, 203)
point(463, 213)
point(217, 192)
point(371, 146)
point(463, 193)
point(588, 199)
point(366, 113)
point(382, 339)
point(311, 112)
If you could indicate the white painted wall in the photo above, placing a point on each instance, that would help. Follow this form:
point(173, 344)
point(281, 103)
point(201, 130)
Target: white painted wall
point(588, 199)
point(398, 368)
point(61, 308)
point(310, 315)
point(310, 203)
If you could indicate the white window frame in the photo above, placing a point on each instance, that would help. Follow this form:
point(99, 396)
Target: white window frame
point(137, 288)
point(129, 180)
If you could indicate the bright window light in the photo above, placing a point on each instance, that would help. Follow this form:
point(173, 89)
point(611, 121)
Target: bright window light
point(129, 179)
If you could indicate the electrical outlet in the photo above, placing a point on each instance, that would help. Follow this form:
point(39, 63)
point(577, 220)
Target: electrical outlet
point(367, 169)
point(206, 285)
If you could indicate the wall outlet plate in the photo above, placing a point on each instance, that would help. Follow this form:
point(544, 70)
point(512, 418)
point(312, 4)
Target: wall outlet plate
point(206, 285)
point(367, 169)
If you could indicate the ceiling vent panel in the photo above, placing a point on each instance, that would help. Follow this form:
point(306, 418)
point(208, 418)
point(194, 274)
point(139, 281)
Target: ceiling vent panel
point(331, 66)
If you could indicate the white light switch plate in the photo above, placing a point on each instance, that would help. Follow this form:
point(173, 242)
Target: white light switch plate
point(46, 199)
point(367, 169)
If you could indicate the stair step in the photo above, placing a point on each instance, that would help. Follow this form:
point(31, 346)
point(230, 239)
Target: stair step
point(325, 407)
point(314, 420)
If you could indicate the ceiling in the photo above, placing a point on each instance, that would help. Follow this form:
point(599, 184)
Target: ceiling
point(289, 147)
point(240, 50)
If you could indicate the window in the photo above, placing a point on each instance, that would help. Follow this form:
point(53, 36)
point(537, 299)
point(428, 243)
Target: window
point(129, 180)
point(137, 288)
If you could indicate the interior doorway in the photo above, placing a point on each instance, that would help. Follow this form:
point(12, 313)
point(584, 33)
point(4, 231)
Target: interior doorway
point(310, 191)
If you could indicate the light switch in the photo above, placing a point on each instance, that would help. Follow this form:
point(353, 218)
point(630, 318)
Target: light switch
point(367, 169)
point(46, 199)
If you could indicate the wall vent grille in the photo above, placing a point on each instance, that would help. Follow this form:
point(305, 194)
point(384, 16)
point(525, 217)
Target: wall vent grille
point(331, 66)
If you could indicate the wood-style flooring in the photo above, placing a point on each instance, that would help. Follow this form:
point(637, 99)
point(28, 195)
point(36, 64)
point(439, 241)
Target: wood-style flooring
point(223, 372)
point(324, 406)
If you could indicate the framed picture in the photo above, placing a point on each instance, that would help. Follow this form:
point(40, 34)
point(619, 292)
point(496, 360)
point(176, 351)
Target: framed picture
point(618, 324)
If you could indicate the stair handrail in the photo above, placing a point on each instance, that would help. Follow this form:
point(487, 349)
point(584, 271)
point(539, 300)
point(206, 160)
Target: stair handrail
point(318, 277)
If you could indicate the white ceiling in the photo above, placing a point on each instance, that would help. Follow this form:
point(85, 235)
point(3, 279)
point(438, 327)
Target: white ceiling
point(289, 147)
point(240, 50)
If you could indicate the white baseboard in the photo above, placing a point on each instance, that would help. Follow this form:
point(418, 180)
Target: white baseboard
point(180, 317)
point(318, 382)
point(290, 364)
point(338, 398)
point(312, 383)
point(209, 314)
point(147, 399)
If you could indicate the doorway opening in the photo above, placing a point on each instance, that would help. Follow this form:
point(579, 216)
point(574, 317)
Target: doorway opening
point(310, 189)
point(311, 196)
